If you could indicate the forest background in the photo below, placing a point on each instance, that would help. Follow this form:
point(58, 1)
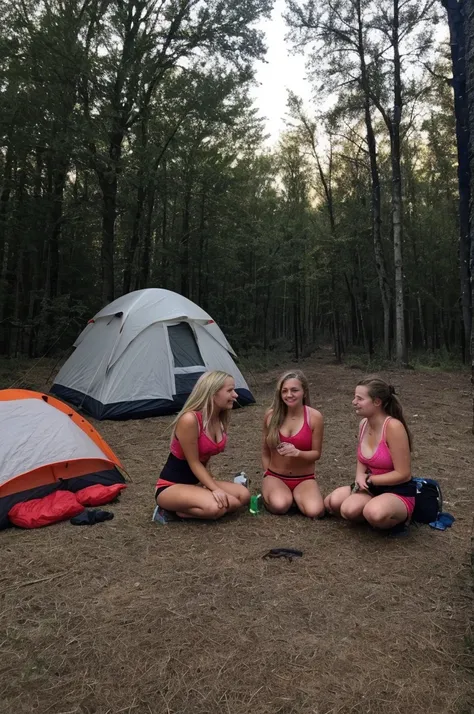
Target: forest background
point(132, 156)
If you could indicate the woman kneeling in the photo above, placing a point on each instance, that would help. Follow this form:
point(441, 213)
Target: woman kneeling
point(292, 443)
point(383, 493)
point(186, 486)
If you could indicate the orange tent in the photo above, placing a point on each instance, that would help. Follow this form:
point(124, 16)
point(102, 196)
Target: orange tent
point(46, 445)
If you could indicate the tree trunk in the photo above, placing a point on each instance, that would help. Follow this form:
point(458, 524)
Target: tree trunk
point(336, 327)
point(295, 325)
point(108, 185)
point(185, 240)
point(4, 211)
point(137, 230)
point(459, 35)
point(55, 225)
point(147, 253)
point(5, 199)
point(400, 338)
point(108, 181)
point(376, 203)
point(202, 244)
point(134, 240)
point(469, 34)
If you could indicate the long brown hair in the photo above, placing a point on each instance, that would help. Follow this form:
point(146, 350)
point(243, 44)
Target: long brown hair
point(378, 388)
point(279, 408)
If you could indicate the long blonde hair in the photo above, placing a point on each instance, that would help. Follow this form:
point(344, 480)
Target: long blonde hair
point(201, 398)
point(279, 408)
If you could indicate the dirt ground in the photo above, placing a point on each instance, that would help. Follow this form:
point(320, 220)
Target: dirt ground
point(131, 617)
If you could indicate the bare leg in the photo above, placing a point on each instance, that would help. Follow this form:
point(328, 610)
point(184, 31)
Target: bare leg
point(385, 511)
point(191, 502)
point(276, 495)
point(238, 495)
point(334, 501)
point(352, 508)
point(308, 498)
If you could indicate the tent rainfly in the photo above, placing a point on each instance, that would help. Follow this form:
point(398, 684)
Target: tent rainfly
point(141, 355)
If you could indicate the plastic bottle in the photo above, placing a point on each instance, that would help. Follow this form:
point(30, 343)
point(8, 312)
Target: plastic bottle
point(255, 504)
point(241, 478)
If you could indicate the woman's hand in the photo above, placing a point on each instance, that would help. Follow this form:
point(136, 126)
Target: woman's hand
point(221, 498)
point(361, 481)
point(286, 449)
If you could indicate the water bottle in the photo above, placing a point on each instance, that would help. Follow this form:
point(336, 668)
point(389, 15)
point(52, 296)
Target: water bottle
point(241, 478)
point(255, 504)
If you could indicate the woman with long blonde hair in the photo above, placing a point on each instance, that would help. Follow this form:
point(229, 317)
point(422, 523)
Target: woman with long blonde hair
point(292, 443)
point(186, 487)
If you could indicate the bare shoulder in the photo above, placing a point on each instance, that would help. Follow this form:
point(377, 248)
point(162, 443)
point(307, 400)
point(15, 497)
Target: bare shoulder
point(395, 428)
point(187, 421)
point(316, 418)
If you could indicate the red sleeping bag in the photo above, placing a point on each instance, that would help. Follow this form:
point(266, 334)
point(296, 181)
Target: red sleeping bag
point(98, 494)
point(58, 506)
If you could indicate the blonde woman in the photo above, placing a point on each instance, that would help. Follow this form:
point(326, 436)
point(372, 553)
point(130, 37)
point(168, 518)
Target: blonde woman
point(292, 443)
point(186, 486)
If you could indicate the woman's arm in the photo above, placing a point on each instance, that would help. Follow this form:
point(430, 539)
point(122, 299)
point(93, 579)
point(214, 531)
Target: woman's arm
point(187, 431)
point(397, 440)
point(266, 452)
point(317, 428)
point(361, 470)
point(361, 476)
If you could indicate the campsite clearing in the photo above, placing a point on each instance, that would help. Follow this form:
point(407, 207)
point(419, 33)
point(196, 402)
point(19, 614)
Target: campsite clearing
point(128, 616)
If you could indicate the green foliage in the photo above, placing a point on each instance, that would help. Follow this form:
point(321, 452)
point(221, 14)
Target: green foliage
point(102, 119)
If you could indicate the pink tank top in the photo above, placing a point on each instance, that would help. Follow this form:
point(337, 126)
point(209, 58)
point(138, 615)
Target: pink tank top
point(303, 439)
point(206, 446)
point(381, 460)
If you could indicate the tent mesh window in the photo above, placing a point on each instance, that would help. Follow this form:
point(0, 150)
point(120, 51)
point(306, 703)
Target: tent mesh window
point(184, 346)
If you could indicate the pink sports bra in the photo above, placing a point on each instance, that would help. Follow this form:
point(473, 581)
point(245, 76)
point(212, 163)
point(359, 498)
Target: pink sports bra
point(206, 446)
point(303, 439)
point(381, 460)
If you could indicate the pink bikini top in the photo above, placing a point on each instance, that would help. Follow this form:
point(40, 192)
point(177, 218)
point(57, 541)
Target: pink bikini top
point(381, 460)
point(206, 446)
point(303, 439)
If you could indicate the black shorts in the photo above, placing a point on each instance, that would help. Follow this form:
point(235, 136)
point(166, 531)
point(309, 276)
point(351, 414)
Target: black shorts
point(175, 471)
point(408, 489)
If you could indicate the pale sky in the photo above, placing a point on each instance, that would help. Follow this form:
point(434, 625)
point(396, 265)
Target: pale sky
point(281, 72)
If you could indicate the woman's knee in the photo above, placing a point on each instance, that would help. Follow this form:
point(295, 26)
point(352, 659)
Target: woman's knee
point(379, 516)
point(334, 501)
point(278, 503)
point(243, 496)
point(214, 511)
point(350, 511)
point(313, 510)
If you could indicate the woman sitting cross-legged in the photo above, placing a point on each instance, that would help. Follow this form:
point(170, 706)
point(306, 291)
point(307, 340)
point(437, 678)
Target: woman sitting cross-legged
point(186, 487)
point(383, 493)
point(292, 443)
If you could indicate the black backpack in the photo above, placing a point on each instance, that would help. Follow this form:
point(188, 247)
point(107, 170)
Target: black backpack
point(428, 500)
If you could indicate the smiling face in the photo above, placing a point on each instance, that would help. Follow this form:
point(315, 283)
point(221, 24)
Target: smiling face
point(226, 396)
point(292, 392)
point(363, 403)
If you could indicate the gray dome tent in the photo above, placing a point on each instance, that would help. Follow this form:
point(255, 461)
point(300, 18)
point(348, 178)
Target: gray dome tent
point(141, 355)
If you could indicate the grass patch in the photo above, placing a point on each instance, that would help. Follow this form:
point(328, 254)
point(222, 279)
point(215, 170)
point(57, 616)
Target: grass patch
point(439, 361)
point(24, 373)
